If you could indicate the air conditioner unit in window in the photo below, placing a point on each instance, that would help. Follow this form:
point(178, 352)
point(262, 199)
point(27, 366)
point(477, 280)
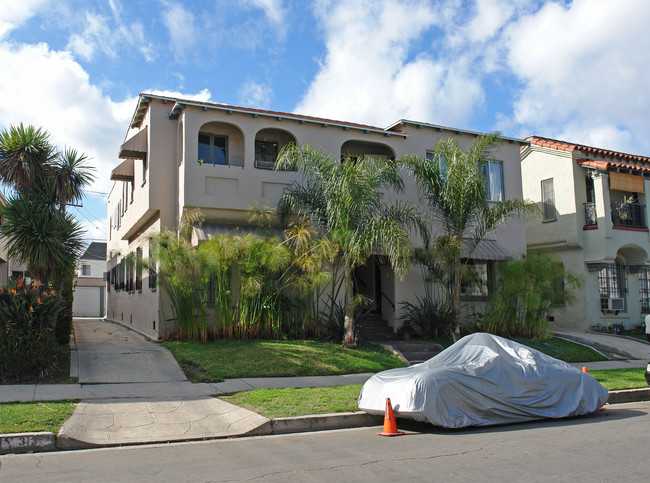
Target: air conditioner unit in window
point(615, 304)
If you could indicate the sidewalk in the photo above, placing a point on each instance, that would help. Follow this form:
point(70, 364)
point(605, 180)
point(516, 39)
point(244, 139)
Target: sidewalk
point(133, 391)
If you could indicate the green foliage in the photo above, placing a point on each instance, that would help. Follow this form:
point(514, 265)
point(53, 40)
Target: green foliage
point(63, 327)
point(34, 416)
point(528, 290)
point(37, 230)
point(226, 358)
point(343, 200)
point(293, 402)
point(258, 285)
point(455, 189)
point(429, 318)
point(27, 319)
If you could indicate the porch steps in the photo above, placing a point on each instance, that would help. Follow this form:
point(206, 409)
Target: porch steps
point(373, 327)
point(415, 351)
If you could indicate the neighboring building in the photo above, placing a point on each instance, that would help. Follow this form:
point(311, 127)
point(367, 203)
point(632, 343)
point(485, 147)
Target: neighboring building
point(181, 155)
point(8, 268)
point(594, 217)
point(90, 287)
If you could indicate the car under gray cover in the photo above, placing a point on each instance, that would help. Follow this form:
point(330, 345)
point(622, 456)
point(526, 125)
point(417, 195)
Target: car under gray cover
point(482, 380)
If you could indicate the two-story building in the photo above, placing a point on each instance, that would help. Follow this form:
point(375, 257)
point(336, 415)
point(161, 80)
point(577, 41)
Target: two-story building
point(180, 155)
point(595, 218)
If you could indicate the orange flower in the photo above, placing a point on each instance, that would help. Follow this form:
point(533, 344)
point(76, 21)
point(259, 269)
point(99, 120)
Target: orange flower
point(12, 290)
point(38, 300)
point(20, 283)
point(0, 289)
point(51, 292)
point(31, 309)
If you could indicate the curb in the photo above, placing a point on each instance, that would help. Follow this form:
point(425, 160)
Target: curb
point(27, 442)
point(324, 422)
point(45, 441)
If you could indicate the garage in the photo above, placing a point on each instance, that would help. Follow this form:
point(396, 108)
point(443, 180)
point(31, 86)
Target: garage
point(88, 298)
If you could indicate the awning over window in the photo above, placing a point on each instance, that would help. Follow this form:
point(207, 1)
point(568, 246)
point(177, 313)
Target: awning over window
point(206, 231)
point(626, 182)
point(123, 172)
point(136, 146)
point(486, 250)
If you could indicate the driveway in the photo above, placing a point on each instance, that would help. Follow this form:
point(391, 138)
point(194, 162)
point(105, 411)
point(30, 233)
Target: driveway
point(110, 353)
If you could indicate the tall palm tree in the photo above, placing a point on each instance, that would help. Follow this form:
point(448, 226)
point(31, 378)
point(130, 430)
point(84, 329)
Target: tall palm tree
point(454, 186)
point(38, 231)
point(344, 203)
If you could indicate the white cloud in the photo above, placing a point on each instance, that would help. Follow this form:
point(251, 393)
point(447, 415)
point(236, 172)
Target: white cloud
point(203, 95)
point(109, 35)
point(584, 69)
point(74, 111)
point(275, 13)
point(370, 73)
point(256, 95)
point(14, 13)
point(95, 229)
point(182, 29)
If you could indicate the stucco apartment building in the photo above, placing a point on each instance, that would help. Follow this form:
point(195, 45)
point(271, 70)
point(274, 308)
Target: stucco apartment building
point(180, 155)
point(595, 218)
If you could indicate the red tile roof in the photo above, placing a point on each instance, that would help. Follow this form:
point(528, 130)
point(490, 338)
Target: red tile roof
point(604, 165)
point(570, 147)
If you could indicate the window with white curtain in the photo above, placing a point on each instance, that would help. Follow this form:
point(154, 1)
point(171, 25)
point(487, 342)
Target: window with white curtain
point(493, 172)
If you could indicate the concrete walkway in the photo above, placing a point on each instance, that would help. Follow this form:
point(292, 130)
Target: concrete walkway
point(109, 353)
point(624, 351)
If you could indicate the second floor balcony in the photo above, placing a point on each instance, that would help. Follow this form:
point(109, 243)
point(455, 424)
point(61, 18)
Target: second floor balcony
point(628, 214)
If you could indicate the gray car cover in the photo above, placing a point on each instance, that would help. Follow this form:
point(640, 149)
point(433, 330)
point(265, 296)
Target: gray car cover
point(484, 379)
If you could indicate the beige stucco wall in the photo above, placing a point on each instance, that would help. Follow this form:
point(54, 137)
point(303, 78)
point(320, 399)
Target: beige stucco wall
point(577, 246)
point(177, 182)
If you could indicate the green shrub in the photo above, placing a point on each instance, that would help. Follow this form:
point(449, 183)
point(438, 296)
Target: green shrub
point(528, 290)
point(429, 318)
point(63, 326)
point(27, 342)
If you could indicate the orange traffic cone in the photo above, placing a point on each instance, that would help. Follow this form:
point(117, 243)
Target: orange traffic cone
point(390, 426)
point(584, 369)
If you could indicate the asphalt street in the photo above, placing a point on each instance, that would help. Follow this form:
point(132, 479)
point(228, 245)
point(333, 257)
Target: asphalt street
point(609, 445)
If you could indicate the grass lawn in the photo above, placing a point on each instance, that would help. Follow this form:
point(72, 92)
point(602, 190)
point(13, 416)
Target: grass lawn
point(636, 335)
point(221, 359)
point(34, 416)
point(615, 379)
point(563, 349)
point(290, 402)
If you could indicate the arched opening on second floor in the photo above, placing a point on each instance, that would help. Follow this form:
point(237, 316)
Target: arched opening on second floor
point(268, 144)
point(220, 143)
point(354, 150)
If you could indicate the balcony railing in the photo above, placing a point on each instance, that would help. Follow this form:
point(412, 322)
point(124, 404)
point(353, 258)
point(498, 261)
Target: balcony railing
point(628, 214)
point(590, 214)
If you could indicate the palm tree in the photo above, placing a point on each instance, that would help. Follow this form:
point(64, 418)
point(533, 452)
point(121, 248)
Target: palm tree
point(38, 231)
point(454, 186)
point(344, 203)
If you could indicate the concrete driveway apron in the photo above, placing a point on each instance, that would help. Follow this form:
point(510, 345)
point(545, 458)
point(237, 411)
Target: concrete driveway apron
point(110, 353)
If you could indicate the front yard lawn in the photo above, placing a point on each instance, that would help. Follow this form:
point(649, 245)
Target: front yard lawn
point(616, 379)
point(563, 349)
point(291, 402)
point(34, 416)
point(286, 403)
point(223, 359)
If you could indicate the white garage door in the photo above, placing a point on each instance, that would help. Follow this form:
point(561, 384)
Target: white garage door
point(88, 302)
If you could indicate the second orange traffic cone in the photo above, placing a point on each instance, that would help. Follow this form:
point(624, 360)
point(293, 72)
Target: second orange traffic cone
point(390, 426)
point(584, 369)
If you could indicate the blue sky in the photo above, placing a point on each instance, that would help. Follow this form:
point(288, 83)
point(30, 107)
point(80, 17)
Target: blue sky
point(574, 70)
